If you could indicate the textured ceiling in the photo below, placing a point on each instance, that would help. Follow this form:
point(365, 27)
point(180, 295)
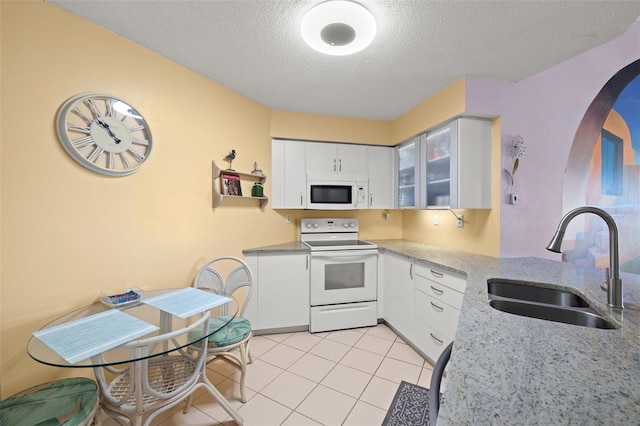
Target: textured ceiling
point(255, 48)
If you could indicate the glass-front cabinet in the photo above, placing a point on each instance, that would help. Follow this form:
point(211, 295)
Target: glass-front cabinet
point(439, 167)
point(447, 167)
point(410, 172)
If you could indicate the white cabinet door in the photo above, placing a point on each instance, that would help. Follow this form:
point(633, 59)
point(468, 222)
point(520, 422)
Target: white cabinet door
point(380, 167)
point(283, 290)
point(458, 165)
point(352, 160)
point(321, 158)
point(398, 293)
point(289, 178)
point(324, 159)
point(410, 169)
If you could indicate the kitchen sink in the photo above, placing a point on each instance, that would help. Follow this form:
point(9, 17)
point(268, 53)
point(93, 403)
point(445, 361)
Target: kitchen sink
point(534, 301)
point(532, 293)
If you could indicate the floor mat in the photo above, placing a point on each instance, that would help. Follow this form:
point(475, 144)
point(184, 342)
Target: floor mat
point(410, 406)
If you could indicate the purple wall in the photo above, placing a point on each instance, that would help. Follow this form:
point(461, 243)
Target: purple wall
point(546, 110)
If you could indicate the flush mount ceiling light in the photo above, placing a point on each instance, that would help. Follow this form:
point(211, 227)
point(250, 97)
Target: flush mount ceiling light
point(338, 27)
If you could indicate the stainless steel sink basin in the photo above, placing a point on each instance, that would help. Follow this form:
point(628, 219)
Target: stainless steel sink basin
point(545, 303)
point(530, 293)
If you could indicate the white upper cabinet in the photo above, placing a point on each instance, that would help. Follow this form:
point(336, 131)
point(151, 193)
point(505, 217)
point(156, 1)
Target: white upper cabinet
point(289, 175)
point(448, 167)
point(380, 166)
point(329, 160)
point(410, 171)
point(458, 165)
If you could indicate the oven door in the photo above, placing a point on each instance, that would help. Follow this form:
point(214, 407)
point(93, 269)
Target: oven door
point(343, 276)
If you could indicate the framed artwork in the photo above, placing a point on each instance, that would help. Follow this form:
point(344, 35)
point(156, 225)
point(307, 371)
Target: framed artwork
point(230, 184)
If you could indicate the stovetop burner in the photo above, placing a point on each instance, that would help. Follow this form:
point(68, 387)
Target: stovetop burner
point(332, 234)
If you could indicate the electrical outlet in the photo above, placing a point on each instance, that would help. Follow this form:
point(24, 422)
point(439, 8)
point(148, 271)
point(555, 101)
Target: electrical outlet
point(436, 220)
point(460, 221)
point(288, 218)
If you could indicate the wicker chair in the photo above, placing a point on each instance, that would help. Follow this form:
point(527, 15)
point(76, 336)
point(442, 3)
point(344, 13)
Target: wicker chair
point(232, 341)
point(68, 402)
point(150, 386)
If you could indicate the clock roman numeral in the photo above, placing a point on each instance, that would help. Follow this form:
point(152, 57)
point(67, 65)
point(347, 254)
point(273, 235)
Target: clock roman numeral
point(83, 142)
point(111, 160)
point(125, 162)
point(80, 129)
point(140, 141)
point(95, 154)
point(135, 154)
point(82, 114)
point(136, 128)
point(111, 112)
point(93, 107)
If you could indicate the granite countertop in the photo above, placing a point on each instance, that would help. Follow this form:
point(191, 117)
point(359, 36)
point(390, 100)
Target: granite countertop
point(292, 247)
point(506, 369)
point(511, 370)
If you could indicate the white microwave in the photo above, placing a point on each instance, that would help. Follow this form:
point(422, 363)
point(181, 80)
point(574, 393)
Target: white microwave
point(336, 195)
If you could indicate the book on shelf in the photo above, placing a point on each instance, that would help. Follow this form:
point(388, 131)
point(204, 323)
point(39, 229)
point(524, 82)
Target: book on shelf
point(230, 184)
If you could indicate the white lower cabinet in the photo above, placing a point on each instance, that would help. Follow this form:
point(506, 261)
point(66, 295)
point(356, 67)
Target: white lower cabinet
point(420, 302)
point(398, 293)
point(437, 304)
point(281, 292)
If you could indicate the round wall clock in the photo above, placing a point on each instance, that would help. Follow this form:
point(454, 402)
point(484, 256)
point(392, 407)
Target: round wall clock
point(104, 134)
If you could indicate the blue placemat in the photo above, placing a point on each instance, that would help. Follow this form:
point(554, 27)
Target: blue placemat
point(187, 302)
point(83, 338)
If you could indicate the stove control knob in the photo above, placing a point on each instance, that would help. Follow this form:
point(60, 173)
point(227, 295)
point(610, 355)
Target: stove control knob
point(309, 226)
point(346, 225)
point(315, 225)
point(352, 225)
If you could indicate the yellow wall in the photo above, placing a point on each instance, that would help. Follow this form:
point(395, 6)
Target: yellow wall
point(295, 125)
point(68, 234)
point(481, 231)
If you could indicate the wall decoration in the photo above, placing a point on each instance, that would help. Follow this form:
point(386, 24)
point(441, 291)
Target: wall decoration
point(604, 171)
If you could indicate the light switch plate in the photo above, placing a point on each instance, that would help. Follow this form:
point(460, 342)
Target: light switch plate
point(436, 220)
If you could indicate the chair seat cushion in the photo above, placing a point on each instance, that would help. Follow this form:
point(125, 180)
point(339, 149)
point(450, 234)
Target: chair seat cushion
point(235, 331)
point(66, 402)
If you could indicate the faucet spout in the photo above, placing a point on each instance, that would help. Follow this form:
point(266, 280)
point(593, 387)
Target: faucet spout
point(614, 283)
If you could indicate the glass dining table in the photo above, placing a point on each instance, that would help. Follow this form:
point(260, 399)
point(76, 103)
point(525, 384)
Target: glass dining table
point(97, 335)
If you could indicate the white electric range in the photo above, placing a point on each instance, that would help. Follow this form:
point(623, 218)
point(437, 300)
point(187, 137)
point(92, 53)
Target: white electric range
point(344, 274)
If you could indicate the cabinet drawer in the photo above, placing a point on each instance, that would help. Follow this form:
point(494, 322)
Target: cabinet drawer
point(437, 314)
point(430, 341)
point(439, 291)
point(452, 280)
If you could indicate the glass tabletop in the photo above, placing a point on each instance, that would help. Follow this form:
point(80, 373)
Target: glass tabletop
point(101, 323)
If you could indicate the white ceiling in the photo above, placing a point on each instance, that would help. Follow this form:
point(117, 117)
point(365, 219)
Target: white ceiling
point(255, 48)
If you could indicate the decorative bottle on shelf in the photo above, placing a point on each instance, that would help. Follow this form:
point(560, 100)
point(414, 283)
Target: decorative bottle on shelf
point(257, 190)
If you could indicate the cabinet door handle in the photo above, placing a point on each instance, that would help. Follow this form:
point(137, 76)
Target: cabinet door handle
point(437, 291)
point(411, 271)
point(340, 165)
point(334, 165)
point(436, 307)
point(307, 265)
point(370, 200)
point(437, 274)
point(438, 341)
point(301, 200)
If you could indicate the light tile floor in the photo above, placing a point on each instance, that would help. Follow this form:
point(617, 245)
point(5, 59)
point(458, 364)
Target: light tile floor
point(346, 377)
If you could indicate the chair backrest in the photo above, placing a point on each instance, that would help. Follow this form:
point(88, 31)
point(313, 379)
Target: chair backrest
point(211, 277)
point(142, 382)
point(436, 380)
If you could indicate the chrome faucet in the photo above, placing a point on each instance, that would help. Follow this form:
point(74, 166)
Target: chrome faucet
point(614, 283)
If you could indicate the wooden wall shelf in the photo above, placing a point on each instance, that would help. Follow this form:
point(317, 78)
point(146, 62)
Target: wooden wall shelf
point(218, 196)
